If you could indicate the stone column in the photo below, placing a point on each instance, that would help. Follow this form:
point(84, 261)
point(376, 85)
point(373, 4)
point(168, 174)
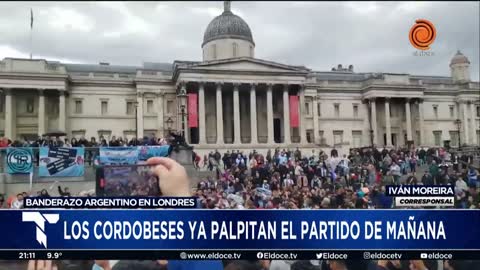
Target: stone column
point(201, 114)
point(9, 113)
point(219, 111)
point(139, 107)
point(388, 124)
point(466, 135)
point(270, 139)
point(303, 135)
point(236, 115)
point(316, 137)
point(373, 111)
point(160, 118)
point(253, 115)
point(286, 116)
point(408, 120)
point(62, 111)
point(473, 125)
point(420, 122)
point(41, 112)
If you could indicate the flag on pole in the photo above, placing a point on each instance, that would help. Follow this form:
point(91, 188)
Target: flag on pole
point(31, 18)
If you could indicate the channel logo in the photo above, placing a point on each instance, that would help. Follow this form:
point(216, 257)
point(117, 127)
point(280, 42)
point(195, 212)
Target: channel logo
point(39, 220)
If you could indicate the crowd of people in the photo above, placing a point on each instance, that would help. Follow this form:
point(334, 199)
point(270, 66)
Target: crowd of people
point(290, 179)
point(59, 141)
point(16, 201)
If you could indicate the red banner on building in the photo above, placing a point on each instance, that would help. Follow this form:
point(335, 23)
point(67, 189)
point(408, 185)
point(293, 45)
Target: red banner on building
point(192, 110)
point(294, 112)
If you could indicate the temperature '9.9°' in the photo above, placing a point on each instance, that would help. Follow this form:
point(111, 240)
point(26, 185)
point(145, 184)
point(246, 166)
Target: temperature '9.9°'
point(54, 255)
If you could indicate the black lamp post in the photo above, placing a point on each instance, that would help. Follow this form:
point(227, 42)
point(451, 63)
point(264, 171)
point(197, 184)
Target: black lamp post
point(182, 96)
point(183, 114)
point(458, 122)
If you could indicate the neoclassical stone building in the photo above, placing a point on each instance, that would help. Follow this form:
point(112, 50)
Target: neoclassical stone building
point(243, 102)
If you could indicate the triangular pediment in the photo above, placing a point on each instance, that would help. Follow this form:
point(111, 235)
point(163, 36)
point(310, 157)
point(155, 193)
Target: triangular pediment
point(247, 64)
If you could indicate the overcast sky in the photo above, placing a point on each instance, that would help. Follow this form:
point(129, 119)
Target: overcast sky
point(372, 36)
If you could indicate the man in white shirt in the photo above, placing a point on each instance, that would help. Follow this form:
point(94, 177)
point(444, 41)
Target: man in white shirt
point(18, 203)
point(298, 170)
point(395, 172)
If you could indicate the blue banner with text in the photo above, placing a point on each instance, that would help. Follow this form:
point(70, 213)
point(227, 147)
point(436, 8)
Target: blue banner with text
point(241, 229)
point(118, 155)
point(61, 161)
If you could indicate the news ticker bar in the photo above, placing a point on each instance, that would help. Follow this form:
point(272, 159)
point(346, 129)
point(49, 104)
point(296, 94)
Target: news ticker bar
point(239, 255)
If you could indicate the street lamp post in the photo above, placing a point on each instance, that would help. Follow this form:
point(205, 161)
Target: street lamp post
point(183, 114)
point(458, 122)
point(182, 96)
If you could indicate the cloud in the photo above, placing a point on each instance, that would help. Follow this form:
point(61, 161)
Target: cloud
point(372, 36)
point(63, 20)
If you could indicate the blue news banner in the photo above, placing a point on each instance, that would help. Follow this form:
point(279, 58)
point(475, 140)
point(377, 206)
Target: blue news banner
point(142, 234)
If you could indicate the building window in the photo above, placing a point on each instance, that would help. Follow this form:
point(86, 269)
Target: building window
point(106, 134)
point(235, 49)
point(130, 107)
point(104, 107)
point(310, 136)
point(478, 136)
point(478, 111)
point(52, 108)
point(29, 108)
point(2, 103)
point(392, 110)
point(319, 109)
point(78, 134)
point(307, 108)
point(337, 137)
point(437, 135)
point(321, 138)
point(170, 106)
point(355, 110)
point(78, 106)
point(337, 110)
point(214, 51)
point(129, 135)
point(452, 111)
point(454, 138)
point(435, 111)
point(357, 138)
point(251, 51)
point(150, 106)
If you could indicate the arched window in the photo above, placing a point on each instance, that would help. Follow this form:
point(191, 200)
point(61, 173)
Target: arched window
point(235, 49)
point(251, 51)
point(214, 51)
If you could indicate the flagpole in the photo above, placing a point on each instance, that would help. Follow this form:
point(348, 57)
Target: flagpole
point(31, 33)
point(31, 43)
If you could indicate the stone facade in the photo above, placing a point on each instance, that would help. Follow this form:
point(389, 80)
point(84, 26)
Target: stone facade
point(243, 102)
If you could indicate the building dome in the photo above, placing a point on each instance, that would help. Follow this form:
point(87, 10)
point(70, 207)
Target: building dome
point(227, 25)
point(459, 58)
